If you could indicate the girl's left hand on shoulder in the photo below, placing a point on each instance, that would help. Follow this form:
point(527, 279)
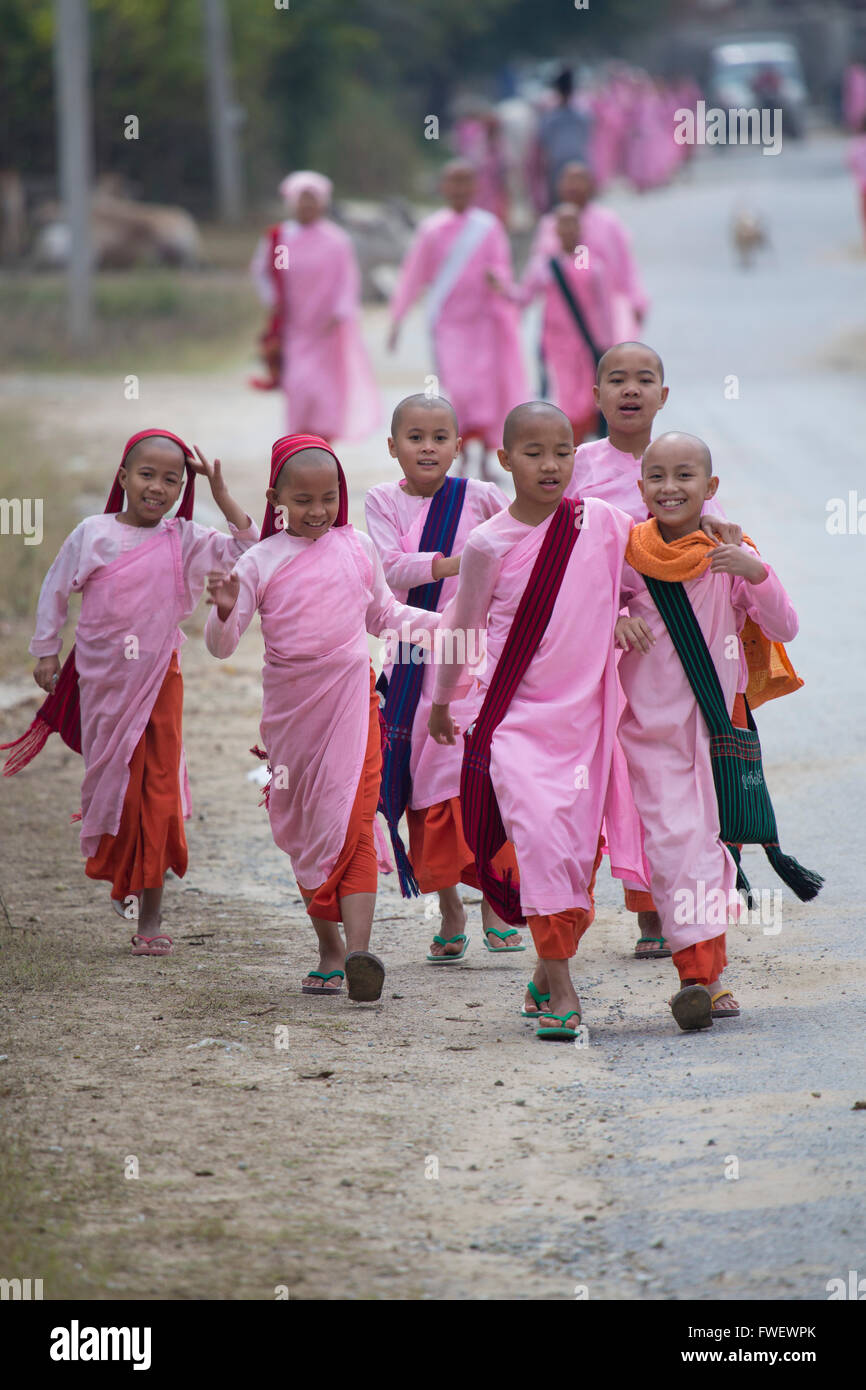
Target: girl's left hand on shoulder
point(732, 559)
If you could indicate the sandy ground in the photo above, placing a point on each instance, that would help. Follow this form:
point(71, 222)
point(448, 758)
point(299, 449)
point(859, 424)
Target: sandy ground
point(424, 1147)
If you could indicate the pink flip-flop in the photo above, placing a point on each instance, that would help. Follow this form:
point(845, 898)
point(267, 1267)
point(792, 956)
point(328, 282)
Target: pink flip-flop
point(151, 945)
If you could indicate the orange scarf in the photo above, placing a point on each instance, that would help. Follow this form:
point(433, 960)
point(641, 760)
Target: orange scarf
point(770, 671)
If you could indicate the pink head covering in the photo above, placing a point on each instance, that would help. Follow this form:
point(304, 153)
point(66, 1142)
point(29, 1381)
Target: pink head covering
point(282, 450)
point(306, 181)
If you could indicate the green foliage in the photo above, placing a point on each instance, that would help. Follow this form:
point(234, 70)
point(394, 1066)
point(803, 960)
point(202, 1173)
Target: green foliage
point(344, 84)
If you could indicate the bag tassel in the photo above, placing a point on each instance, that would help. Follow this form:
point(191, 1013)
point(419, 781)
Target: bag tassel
point(804, 882)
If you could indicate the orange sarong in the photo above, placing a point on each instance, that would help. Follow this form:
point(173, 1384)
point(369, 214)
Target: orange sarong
point(556, 935)
point(150, 838)
point(438, 852)
point(636, 900)
point(356, 870)
point(703, 962)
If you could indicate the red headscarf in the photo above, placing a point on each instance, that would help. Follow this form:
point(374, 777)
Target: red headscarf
point(284, 449)
point(115, 497)
point(61, 711)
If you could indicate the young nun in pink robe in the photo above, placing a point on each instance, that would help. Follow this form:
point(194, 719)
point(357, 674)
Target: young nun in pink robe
point(604, 235)
point(568, 357)
point(318, 587)
point(425, 442)
point(630, 392)
point(475, 332)
point(306, 270)
point(551, 753)
point(140, 573)
point(662, 729)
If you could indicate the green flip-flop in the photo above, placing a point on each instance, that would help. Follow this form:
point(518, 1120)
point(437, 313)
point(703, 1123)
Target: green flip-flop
point(448, 941)
point(503, 935)
point(539, 998)
point(318, 975)
point(562, 1034)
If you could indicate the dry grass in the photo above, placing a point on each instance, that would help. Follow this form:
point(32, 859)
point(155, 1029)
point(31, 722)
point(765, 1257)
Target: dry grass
point(198, 317)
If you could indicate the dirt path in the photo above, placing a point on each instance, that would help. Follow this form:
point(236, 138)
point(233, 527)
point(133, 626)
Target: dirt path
point(425, 1147)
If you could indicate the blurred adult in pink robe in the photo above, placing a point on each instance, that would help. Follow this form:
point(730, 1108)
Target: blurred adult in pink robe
point(606, 238)
point(306, 269)
point(568, 357)
point(854, 96)
point(477, 138)
point(475, 331)
point(857, 165)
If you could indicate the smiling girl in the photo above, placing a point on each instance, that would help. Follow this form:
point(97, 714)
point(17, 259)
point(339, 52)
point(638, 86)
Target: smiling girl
point(119, 697)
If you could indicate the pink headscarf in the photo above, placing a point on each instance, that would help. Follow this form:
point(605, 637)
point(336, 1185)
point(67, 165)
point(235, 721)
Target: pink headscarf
point(306, 181)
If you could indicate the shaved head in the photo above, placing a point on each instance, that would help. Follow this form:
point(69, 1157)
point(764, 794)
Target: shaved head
point(154, 441)
point(421, 401)
point(613, 356)
point(675, 445)
point(316, 457)
point(520, 421)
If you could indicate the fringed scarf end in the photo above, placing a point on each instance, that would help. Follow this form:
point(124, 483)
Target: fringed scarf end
point(26, 747)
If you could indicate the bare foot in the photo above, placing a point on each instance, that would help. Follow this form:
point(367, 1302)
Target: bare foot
point(491, 923)
point(539, 979)
point(328, 961)
point(727, 1005)
point(453, 918)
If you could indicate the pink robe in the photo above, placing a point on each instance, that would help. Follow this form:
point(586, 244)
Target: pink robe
point(317, 600)
point(604, 235)
point(476, 336)
point(551, 754)
point(854, 96)
point(667, 746)
point(567, 356)
point(137, 584)
point(327, 376)
point(395, 521)
point(602, 471)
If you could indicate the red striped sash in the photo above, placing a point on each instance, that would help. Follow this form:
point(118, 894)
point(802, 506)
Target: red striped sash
point(482, 822)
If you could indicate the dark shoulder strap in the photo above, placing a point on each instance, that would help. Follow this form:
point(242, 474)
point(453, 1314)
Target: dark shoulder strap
point(439, 533)
point(679, 618)
point(574, 307)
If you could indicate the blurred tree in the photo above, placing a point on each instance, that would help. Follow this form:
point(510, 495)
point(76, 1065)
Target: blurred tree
point(345, 84)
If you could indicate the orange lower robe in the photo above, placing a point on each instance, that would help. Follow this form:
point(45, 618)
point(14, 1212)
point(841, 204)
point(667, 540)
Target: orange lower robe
point(356, 869)
point(438, 852)
point(556, 935)
point(150, 839)
point(636, 900)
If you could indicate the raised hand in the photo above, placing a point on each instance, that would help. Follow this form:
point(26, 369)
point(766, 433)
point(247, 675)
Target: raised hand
point(222, 592)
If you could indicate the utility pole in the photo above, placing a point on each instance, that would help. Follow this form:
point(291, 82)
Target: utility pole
point(72, 87)
point(224, 114)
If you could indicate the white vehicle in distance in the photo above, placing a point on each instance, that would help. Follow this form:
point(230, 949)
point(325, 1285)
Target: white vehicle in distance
point(759, 72)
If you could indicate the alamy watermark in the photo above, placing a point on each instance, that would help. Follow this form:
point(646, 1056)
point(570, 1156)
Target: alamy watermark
point(740, 125)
